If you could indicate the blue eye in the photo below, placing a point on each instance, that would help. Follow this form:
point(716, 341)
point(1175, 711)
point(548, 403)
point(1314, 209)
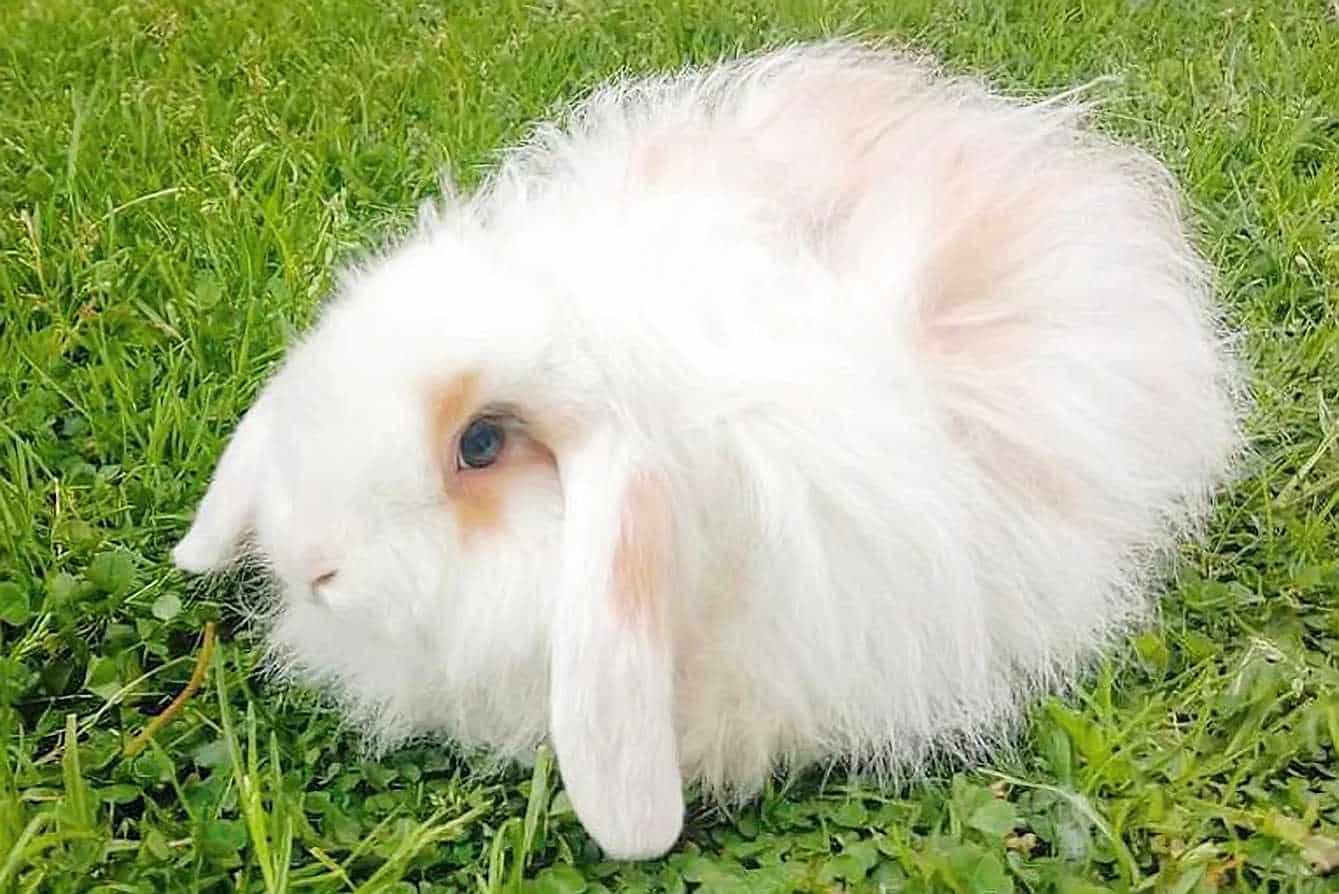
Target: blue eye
point(480, 444)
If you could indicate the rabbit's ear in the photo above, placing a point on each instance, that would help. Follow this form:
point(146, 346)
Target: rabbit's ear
point(611, 684)
point(226, 511)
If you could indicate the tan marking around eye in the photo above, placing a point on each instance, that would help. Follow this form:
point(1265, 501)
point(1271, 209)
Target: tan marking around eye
point(641, 556)
point(452, 405)
point(478, 497)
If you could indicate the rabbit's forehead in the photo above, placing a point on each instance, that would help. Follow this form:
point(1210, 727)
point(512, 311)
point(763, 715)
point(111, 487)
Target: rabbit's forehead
point(336, 438)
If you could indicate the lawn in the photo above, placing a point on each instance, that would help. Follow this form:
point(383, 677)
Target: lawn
point(179, 181)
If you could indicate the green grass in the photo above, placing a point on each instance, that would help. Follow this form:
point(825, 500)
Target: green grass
point(179, 180)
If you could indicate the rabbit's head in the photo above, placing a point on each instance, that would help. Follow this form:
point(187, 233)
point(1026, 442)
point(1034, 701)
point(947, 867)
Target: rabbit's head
point(430, 470)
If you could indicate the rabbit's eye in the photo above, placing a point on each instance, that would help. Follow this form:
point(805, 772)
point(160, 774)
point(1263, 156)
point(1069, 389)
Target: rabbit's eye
point(480, 443)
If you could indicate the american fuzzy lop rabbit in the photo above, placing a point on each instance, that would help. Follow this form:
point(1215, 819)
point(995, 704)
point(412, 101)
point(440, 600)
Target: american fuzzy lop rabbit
point(810, 406)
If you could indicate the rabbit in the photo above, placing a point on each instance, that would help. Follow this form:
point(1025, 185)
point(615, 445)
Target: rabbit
point(809, 406)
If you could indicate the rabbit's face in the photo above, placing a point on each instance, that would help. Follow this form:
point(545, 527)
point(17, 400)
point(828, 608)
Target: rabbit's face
point(391, 472)
point(407, 507)
point(411, 531)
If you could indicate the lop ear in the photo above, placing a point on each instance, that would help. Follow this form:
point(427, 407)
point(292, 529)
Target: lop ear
point(611, 671)
point(229, 503)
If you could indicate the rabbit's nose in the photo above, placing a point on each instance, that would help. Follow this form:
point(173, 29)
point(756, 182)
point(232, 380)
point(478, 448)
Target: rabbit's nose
point(320, 582)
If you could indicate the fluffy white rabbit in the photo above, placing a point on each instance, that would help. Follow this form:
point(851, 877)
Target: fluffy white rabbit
point(810, 406)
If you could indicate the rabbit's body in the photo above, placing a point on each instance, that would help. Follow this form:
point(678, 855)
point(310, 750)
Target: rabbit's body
point(855, 407)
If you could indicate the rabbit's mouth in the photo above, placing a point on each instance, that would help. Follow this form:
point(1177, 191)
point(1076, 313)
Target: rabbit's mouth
point(328, 595)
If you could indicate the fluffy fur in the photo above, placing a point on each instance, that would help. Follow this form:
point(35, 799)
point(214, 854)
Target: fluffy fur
point(850, 407)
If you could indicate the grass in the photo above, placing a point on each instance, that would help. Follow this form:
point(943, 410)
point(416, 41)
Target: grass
point(177, 183)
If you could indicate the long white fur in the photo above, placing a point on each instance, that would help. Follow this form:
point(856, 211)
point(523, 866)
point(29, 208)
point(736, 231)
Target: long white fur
point(934, 379)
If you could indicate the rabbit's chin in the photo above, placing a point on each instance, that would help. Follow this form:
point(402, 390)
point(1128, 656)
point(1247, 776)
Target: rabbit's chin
point(395, 685)
point(458, 654)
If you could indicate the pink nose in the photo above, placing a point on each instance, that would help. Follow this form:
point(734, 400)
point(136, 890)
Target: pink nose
point(316, 583)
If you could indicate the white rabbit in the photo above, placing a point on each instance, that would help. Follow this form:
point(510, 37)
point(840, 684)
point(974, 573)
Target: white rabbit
point(811, 406)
